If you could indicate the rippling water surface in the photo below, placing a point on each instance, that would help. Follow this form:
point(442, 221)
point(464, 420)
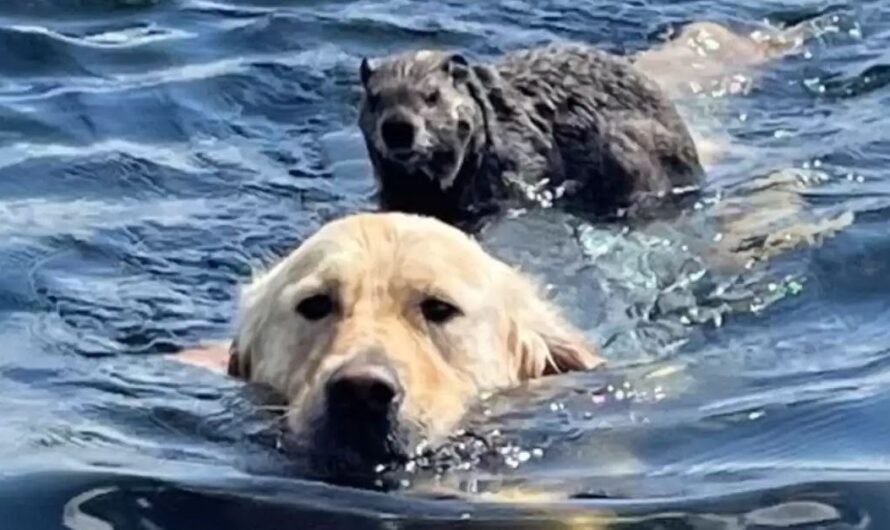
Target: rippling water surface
point(153, 152)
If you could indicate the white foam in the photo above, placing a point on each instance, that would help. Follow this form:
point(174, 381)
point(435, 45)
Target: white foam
point(29, 218)
point(175, 156)
point(121, 38)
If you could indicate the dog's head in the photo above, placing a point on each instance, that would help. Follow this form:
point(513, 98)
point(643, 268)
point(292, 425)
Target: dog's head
point(419, 114)
point(381, 329)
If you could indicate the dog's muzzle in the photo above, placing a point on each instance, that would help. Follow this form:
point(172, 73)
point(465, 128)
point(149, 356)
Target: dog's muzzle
point(363, 391)
point(359, 428)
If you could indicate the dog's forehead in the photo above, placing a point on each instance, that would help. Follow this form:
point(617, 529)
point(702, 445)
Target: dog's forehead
point(396, 247)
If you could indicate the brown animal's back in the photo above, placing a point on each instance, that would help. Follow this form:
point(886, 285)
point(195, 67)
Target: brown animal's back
point(613, 128)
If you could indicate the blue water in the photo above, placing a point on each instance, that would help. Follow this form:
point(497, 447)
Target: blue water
point(154, 152)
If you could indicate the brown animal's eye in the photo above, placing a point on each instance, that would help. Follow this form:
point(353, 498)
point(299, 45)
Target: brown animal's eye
point(316, 307)
point(432, 97)
point(437, 311)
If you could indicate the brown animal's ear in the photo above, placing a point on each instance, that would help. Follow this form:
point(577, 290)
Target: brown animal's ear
point(239, 362)
point(365, 71)
point(457, 67)
point(543, 343)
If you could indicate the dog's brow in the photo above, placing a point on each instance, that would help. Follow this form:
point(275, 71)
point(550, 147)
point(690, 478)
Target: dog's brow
point(454, 291)
point(312, 285)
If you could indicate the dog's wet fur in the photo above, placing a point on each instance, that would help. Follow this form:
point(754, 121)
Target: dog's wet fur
point(381, 330)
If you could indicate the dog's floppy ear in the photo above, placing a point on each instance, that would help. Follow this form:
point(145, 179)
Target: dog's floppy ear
point(239, 362)
point(543, 343)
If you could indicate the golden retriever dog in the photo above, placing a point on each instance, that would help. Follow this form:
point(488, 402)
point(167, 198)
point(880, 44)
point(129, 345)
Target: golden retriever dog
point(381, 329)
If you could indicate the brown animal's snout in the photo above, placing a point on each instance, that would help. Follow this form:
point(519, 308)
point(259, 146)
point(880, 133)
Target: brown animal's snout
point(398, 134)
point(365, 388)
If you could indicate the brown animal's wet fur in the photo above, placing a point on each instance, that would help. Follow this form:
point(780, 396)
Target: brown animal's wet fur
point(379, 268)
point(565, 124)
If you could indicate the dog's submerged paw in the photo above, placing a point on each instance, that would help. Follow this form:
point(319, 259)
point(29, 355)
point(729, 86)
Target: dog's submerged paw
point(214, 357)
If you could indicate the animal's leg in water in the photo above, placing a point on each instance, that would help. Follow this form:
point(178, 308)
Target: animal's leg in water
point(214, 357)
point(705, 57)
point(705, 53)
point(768, 217)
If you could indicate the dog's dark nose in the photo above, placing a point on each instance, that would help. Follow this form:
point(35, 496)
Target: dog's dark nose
point(364, 386)
point(398, 133)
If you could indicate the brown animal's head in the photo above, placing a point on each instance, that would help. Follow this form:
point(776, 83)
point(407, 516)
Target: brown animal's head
point(421, 117)
point(382, 328)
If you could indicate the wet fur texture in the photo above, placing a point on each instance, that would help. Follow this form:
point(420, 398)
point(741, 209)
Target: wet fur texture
point(563, 123)
point(379, 268)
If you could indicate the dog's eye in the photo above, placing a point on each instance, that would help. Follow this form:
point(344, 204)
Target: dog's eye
point(372, 99)
point(431, 97)
point(437, 311)
point(316, 307)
